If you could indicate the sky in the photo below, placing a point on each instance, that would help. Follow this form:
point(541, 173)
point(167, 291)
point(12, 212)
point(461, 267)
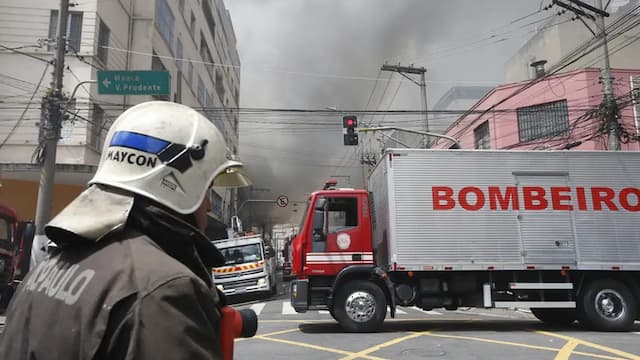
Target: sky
point(325, 55)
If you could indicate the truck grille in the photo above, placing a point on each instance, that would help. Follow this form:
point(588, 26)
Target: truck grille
point(240, 284)
point(238, 273)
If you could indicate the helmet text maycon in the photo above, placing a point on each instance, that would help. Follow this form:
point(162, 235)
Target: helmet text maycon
point(132, 158)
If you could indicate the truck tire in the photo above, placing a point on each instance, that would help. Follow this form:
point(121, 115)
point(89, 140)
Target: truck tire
point(555, 317)
point(360, 306)
point(607, 305)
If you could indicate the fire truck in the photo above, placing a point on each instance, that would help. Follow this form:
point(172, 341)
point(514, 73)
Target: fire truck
point(554, 232)
point(249, 266)
point(16, 238)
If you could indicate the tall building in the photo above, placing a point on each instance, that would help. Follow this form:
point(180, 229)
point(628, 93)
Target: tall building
point(193, 40)
point(559, 36)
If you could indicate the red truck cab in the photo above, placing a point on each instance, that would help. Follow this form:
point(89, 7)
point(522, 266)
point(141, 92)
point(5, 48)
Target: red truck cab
point(333, 258)
point(16, 238)
point(334, 234)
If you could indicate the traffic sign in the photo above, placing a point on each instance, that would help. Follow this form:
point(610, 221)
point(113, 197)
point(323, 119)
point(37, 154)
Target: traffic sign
point(282, 201)
point(135, 82)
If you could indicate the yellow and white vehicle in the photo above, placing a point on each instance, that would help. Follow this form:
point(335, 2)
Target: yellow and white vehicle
point(249, 266)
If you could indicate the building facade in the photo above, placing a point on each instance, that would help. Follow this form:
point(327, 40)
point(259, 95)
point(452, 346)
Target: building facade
point(558, 36)
point(559, 112)
point(193, 40)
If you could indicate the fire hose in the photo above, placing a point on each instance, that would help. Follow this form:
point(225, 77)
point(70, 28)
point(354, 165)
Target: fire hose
point(235, 324)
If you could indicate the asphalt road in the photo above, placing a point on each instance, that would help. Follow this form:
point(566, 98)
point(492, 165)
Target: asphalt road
point(418, 334)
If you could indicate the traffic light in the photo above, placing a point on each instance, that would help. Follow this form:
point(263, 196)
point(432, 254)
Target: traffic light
point(350, 123)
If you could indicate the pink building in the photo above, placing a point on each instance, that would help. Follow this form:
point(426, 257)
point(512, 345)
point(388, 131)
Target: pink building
point(555, 112)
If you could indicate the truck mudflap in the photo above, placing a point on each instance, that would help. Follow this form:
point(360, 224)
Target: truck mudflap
point(373, 271)
point(392, 297)
point(299, 295)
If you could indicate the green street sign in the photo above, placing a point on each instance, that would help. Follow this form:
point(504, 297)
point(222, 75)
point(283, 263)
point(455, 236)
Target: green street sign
point(133, 82)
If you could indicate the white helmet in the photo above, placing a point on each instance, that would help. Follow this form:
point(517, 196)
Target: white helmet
point(166, 152)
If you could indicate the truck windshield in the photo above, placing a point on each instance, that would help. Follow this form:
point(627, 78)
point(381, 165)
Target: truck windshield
point(242, 254)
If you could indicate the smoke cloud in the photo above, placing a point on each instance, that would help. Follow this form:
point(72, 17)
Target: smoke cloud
point(327, 54)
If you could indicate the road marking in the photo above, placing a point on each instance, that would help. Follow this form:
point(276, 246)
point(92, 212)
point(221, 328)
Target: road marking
point(324, 312)
point(287, 309)
point(567, 350)
point(383, 345)
point(315, 347)
point(257, 308)
point(592, 345)
point(430, 312)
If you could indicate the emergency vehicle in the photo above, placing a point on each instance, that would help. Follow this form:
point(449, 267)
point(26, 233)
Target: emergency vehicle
point(249, 266)
point(555, 232)
point(16, 238)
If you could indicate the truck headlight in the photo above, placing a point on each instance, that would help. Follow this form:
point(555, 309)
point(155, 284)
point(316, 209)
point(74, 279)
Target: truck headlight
point(261, 281)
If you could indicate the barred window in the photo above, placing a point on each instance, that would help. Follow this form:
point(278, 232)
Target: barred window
point(543, 121)
point(482, 136)
point(165, 21)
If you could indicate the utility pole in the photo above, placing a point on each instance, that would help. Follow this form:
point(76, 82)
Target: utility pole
point(582, 9)
point(403, 70)
point(607, 80)
point(51, 128)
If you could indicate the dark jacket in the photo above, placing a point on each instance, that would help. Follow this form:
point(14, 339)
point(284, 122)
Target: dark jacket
point(144, 292)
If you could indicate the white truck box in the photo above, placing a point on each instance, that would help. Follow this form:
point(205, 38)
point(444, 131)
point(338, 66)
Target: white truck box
point(586, 216)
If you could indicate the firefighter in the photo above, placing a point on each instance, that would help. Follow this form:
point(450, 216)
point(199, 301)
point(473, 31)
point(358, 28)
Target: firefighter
point(130, 274)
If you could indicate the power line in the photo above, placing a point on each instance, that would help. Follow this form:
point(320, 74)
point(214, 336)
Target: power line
point(26, 108)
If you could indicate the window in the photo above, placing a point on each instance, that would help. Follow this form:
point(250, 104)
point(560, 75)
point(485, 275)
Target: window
point(205, 54)
point(5, 230)
point(219, 84)
point(481, 135)
point(179, 53)
point(165, 21)
point(95, 138)
point(343, 213)
point(156, 64)
point(190, 72)
point(103, 42)
point(192, 27)
point(543, 121)
point(178, 95)
point(73, 33)
point(181, 6)
point(200, 93)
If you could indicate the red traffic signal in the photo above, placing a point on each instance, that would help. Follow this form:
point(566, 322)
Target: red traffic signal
point(349, 121)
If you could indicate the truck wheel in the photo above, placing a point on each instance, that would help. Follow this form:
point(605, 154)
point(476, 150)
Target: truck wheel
point(607, 305)
point(360, 306)
point(556, 317)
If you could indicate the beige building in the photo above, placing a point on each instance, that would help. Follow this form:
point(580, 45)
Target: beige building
point(193, 40)
point(559, 36)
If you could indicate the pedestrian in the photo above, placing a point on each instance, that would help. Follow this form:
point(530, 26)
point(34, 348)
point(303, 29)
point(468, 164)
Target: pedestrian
point(130, 275)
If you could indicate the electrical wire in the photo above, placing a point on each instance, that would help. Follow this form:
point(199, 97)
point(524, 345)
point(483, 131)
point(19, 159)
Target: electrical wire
point(26, 108)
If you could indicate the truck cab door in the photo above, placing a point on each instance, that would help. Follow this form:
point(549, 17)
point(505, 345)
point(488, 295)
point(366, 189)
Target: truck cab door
point(337, 236)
